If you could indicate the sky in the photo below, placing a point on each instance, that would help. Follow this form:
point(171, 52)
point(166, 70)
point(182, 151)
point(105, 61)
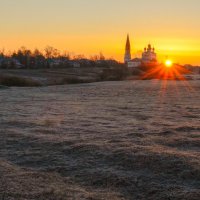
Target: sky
point(91, 26)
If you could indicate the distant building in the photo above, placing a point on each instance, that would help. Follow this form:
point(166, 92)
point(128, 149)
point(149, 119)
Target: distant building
point(53, 62)
point(10, 63)
point(127, 56)
point(134, 63)
point(149, 57)
point(131, 63)
point(193, 69)
point(76, 65)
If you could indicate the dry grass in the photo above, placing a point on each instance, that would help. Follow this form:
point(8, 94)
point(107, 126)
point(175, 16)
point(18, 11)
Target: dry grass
point(102, 141)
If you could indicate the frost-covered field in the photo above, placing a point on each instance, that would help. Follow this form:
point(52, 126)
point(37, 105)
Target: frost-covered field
point(112, 140)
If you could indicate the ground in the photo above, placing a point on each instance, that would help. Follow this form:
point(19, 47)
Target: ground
point(134, 140)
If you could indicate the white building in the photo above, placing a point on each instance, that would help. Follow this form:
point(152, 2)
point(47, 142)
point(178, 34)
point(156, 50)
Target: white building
point(134, 63)
point(149, 57)
point(76, 65)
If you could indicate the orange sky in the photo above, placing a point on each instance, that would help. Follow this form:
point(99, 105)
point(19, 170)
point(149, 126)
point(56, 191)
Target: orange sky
point(92, 26)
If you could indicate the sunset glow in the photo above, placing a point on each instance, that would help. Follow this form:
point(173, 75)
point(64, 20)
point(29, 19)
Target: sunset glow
point(92, 26)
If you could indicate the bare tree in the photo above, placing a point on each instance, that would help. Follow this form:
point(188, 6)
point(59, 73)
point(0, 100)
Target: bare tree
point(79, 57)
point(101, 56)
point(51, 52)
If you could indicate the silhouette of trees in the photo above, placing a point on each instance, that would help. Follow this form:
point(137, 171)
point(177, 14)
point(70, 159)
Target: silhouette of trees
point(38, 58)
point(2, 53)
point(98, 57)
point(23, 55)
point(51, 52)
point(50, 57)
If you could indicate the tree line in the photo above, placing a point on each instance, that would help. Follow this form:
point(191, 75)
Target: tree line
point(26, 58)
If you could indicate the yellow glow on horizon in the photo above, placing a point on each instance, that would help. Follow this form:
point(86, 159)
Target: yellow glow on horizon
point(79, 27)
point(111, 46)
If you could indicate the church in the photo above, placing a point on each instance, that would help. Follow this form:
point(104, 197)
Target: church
point(149, 57)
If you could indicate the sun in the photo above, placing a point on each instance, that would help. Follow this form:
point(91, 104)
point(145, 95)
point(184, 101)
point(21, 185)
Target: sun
point(168, 63)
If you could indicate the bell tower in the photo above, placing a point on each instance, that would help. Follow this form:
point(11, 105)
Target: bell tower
point(127, 56)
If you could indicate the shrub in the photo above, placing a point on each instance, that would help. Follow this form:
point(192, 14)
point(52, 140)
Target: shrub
point(18, 81)
point(114, 74)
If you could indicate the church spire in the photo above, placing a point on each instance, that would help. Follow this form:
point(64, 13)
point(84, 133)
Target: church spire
point(127, 56)
point(128, 46)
